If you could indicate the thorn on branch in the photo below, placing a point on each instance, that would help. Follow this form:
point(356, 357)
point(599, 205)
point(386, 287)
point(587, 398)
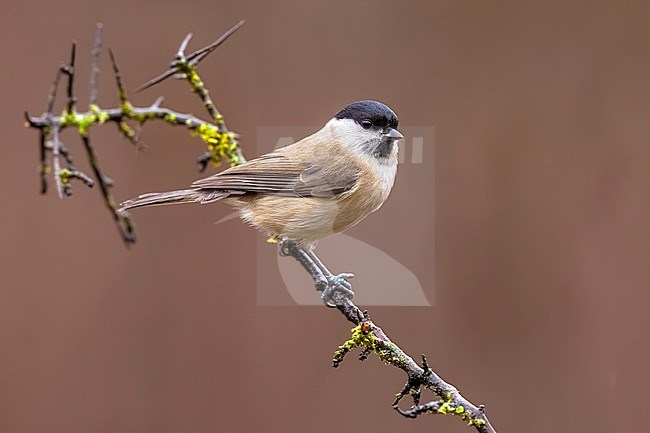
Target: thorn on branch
point(158, 102)
point(425, 366)
point(181, 50)
point(118, 78)
point(197, 56)
point(53, 89)
point(155, 80)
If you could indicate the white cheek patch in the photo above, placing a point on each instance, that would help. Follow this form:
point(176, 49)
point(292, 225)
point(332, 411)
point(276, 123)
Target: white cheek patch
point(352, 135)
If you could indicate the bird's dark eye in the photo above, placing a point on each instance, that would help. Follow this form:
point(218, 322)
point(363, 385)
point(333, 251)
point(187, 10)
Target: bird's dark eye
point(366, 124)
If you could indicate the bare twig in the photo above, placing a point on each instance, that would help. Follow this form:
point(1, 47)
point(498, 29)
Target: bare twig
point(70, 72)
point(53, 88)
point(94, 68)
point(126, 107)
point(118, 77)
point(122, 220)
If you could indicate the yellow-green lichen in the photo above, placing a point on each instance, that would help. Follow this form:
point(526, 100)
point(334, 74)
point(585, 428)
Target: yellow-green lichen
point(83, 121)
point(65, 175)
point(220, 144)
point(451, 407)
point(126, 108)
point(476, 422)
point(445, 408)
point(192, 76)
point(100, 116)
point(140, 117)
point(361, 336)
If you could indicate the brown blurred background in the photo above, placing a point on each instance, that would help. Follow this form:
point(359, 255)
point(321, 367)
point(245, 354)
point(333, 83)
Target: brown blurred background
point(537, 227)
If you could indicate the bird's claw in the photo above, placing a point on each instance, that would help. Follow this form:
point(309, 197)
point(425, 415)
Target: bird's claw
point(283, 247)
point(334, 288)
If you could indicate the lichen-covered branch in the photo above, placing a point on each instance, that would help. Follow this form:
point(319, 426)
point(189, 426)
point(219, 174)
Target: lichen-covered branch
point(83, 121)
point(221, 143)
point(372, 339)
point(449, 400)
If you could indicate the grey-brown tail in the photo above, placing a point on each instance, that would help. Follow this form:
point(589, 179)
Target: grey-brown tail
point(194, 195)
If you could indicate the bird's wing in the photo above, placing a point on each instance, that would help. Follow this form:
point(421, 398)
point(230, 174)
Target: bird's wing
point(277, 174)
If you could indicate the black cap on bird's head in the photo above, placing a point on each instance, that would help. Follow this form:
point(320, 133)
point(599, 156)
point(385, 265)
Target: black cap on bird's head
point(369, 114)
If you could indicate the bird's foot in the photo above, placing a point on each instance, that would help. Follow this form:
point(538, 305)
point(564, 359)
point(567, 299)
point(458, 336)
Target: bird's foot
point(335, 288)
point(283, 247)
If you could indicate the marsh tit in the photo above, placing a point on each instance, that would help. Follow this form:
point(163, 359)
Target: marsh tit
point(306, 191)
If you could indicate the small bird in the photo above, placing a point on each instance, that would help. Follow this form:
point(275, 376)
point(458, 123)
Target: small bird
point(306, 191)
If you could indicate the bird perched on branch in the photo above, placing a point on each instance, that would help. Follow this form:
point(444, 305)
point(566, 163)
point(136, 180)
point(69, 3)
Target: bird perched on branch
point(304, 192)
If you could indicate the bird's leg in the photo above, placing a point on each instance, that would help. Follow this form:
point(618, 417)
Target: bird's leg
point(336, 283)
point(289, 248)
point(333, 287)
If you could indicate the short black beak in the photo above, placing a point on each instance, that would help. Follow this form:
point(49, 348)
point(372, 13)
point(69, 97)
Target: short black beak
point(393, 134)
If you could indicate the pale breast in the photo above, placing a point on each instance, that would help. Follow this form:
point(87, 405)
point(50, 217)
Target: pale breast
point(370, 193)
point(309, 219)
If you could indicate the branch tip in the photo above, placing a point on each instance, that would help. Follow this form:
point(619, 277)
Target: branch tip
point(69, 71)
point(73, 53)
point(197, 56)
point(28, 121)
point(425, 365)
point(94, 68)
point(181, 49)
